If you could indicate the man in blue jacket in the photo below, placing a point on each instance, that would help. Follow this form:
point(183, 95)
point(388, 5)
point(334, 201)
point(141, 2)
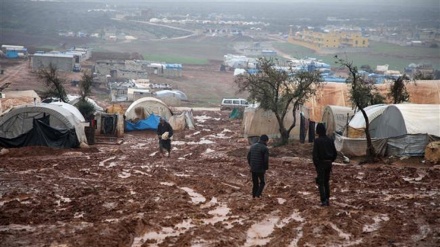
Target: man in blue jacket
point(258, 160)
point(324, 153)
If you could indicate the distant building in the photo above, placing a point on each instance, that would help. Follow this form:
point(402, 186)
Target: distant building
point(332, 39)
point(63, 62)
point(14, 51)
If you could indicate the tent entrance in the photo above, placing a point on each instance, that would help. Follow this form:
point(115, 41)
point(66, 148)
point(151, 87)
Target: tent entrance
point(108, 125)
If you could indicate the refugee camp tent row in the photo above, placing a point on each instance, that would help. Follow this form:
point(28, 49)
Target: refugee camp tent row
point(53, 125)
point(398, 129)
point(332, 93)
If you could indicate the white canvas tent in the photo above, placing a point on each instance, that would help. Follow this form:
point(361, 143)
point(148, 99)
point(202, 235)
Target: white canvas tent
point(171, 93)
point(257, 121)
point(400, 129)
point(19, 120)
point(143, 107)
point(404, 119)
point(182, 121)
point(336, 118)
point(356, 126)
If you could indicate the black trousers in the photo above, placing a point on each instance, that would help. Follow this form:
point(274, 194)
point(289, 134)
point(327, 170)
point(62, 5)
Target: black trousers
point(323, 180)
point(258, 183)
point(165, 144)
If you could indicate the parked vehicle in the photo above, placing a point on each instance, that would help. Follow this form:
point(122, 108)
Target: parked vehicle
point(229, 103)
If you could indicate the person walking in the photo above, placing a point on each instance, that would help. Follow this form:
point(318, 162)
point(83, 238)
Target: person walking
point(164, 132)
point(324, 154)
point(258, 160)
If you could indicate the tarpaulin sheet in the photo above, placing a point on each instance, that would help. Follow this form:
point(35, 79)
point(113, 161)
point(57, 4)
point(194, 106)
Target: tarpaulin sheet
point(150, 123)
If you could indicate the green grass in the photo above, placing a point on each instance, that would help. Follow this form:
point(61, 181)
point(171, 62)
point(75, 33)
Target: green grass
point(397, 57)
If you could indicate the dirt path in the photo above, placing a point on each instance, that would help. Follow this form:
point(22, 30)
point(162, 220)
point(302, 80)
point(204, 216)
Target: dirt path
point(126, 195)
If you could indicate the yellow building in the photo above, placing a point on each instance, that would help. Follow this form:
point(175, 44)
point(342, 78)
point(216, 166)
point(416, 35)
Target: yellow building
point(333, 39)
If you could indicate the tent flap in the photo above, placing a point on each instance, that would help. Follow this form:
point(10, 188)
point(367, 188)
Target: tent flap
point(42, 134)
point(407, 145)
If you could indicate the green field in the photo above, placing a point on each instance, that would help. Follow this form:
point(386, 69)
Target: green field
point(397, 57)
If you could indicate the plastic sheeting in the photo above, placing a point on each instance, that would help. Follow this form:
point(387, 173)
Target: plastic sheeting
point(405, 145)
point(358, 146)
point(150, 123)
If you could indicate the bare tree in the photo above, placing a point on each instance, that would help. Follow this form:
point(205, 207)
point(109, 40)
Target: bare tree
point(85, 85)
point(277, 89)
point(362, 94)
point(53, 82)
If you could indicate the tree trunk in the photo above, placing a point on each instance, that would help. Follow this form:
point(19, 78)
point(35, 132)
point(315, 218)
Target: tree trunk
point(284, 136)
point(371, 152)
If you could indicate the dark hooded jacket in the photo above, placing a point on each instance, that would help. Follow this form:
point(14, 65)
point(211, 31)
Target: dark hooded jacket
point(258, 157)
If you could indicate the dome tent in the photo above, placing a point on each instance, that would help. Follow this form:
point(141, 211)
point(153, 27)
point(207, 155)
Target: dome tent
point(399, 129)
point(356, 126)
point(41, 125)
point(336, 118)
point(143, 107)
point(404, 119)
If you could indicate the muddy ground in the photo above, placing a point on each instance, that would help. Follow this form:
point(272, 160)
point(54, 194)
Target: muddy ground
point(127, 195)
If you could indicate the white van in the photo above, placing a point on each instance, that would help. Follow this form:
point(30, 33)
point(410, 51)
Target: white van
point(229, 104)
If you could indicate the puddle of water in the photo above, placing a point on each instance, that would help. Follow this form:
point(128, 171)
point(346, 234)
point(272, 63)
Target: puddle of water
point(167, 183)
point(232, 186)
point(124, 174)
point(281, 201)
point(219, 214)
point(162, 234)
point(419, 178)
point(196, 198)
point(141, 172)
point(138, 145)
point(211, 203)
point(78, 215)
point(103, 162)
point(202, 141)
point(305, 193)
point(360, 175)
point(16, 227)
point(342, 234)
point(259, 232)
point(109, 205)
point(294, 242)
point(181, 175)
point(203, 118)
point(62, 199)
point(376, 225)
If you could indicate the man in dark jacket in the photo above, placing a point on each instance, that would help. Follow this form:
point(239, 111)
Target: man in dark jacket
point(164, 132)
point(258, 160)
point(324, 153)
